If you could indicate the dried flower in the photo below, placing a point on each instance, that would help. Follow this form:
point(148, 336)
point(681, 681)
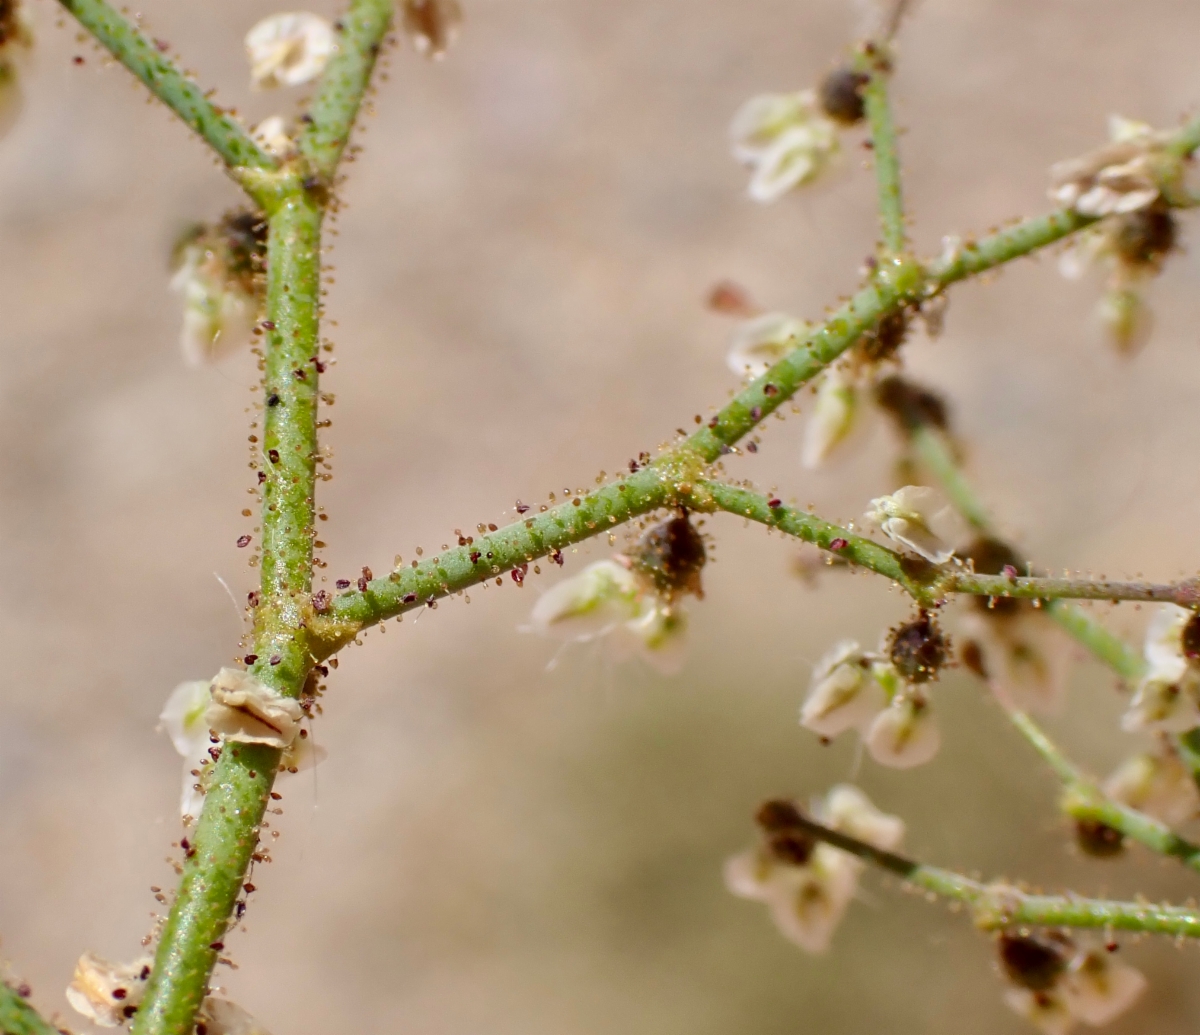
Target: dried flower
point(833, 419)
point(289, 49)
point(432, 25)
point(844, 693)
point(806, 887)
point(249, 712)
point(106, 993)
point(1158, 784)
point(219, 270)
point(919, 518)
point(904, 734)
point(760, 343)
point(786, 139)
point(1122, 176)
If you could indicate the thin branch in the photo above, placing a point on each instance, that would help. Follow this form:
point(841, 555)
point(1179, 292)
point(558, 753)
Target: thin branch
point(164, 79)
point(1185, 593)
point(17, 1017)
point(344, 84)
point(884, 149)
point(1083, 800)
point(1000, 905)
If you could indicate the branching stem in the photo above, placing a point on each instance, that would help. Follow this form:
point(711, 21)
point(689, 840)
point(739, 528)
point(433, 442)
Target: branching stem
point(884, 148)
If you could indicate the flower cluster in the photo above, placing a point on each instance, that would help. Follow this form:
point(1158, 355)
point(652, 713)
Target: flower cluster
point(109, 994)
point(633, 600)
point(1053, 982)
point(201, 715)
point(1016, 647)
point(1167, 699)
point(807, 886)
point(220, 271)
point(881, 696)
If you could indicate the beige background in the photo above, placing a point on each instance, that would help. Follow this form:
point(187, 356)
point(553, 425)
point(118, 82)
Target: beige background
point(522, 261)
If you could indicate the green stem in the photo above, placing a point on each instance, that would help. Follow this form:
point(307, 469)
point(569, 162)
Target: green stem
point(335, 107)
point(935, 452)
point(161, 76)
point(17, 1017)
point(1001, 905)
point(1185, 594)
point(887, 160)
point(1083, 800)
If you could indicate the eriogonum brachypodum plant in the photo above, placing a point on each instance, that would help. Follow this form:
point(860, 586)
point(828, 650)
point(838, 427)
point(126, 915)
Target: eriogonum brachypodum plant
point(255, 274)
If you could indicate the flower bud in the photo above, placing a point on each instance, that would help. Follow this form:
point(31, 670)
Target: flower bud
point(671, 555)
point(1097, 839)
point(918, 650)
point(904, 734)
point(1141, 239)
point(1032, 961)
point(841, 96)
point(833, 417)
point(911, 405)
point(885, 338)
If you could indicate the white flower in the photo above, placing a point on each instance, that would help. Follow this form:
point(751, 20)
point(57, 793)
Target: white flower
point(222, 1017)
point(760, 343)
point(249, 712)
point(183, 719)
point(1025, 658)
point(589, 604)
point(106, 993)
point(1166, 701)
point(432, 25)
point(289, 49)
point(1045, 1010)
point(1097, 990)
point(1158, 784)
point(843, 694)
point(919, 518)
point(905, 733)
point(273, 136)
point(833, 418)
point(786, 139)
point(1163, 645)
point(658, 634)
point(807, 901)
point(848, 810)
point(1116, 178)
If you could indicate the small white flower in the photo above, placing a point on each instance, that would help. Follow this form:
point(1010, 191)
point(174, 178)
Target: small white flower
point(289, 49)
point(1166, 701)
point(833, 419)
point(919, 518)
point(249, 712)
point(106, 993)
point(273, 136)
point(222, 1017)
point(1163, 645)
point(184, 720)
point(1158, 784)
point(787, 140)
point(432, 25)
point(807, 901)
point(659, 634)
point(760, 343)
point(848, 810)
point(1116, 178)
point(589, 604)
point(905, 733)
point(1046, 1010)
point(1025, 658)
point(843, 694)
point(1097, 990)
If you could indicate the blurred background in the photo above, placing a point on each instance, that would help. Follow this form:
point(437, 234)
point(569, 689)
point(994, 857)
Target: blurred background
point(521, 267)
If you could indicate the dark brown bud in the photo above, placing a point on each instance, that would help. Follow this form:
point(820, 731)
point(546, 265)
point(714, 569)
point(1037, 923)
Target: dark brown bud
point(971, 656)
point(1190, 639)
point(841, 98)
point(910, 405)
point(1143, 237)
point(1097, 839)
point(672, 555)
point(887, 336)
point(776, 815)
point(1033, 962)
point(792, 847)
point(918, 649)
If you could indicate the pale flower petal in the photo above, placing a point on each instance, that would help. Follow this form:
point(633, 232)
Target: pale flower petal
point(809, 907)
point(1026, 658)
point(272, 135)
point(1167, 700)
point(843, 694)
point(302, 754)
point(659, 635)
point(919, 518)
point(590, 603)
point(289, 49)
point(222, 1017)
point(1158, 784)
point(182, 717)
point(905, 733)
point(247, 711)
point(762, 119)
point(1163, 646)
point(1098, 990)
point(833, 419)
point(760, 343)
point(787, 139)
point(1046, 1011)
point(107, 993)
point(848, 810)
